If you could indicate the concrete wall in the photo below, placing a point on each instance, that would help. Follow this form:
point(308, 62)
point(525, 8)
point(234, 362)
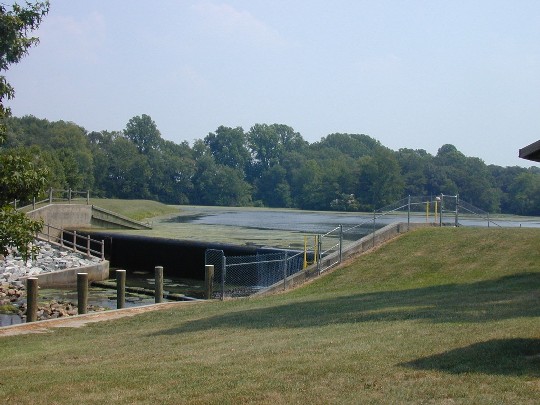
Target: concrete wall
point(68, 277)
point(65, 216)
point(77, 216)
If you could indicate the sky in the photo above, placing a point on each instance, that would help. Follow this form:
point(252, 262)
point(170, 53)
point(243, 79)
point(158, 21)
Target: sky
point(409, 73)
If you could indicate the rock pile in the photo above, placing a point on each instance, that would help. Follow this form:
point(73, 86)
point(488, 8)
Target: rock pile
point(49, 259)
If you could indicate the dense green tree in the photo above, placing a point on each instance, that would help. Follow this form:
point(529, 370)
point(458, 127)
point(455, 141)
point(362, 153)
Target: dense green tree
point(217, 184)
point(128, 172)
point(380, 181)
point(143, 132)
point(172, 169)
point(19, 175)
point(15, 25)
point(268, 144)
point(273, 189)
point(228, 147)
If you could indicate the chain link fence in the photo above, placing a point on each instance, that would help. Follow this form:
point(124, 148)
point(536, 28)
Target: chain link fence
point(240, 276)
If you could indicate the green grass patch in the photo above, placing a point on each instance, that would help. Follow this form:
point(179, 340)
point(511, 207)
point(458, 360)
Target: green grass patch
point(135, 209)
point(438, 316)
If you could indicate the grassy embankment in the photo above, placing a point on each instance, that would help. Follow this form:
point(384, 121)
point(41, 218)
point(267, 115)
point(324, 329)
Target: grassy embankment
point(439, 316)
point(135, 209)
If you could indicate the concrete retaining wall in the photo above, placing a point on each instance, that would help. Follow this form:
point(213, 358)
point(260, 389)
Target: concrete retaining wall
point(79, 216)
point(65, 216)
point(68, 277)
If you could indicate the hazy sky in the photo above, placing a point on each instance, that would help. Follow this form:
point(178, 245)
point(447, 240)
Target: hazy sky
point(409, 73)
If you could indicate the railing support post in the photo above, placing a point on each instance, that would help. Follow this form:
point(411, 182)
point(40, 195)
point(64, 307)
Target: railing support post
point(158, 284)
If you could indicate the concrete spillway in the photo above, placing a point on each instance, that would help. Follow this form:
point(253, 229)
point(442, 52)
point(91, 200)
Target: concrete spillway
point(179, 258)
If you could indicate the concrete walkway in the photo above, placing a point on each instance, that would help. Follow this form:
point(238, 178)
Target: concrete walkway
point(81, 320)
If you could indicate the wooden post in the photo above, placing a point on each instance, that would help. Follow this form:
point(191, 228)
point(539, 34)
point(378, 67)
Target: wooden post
point(120, 288)
point(158, 284)
point(31, 299)
point(82, 292)
point(209, 280)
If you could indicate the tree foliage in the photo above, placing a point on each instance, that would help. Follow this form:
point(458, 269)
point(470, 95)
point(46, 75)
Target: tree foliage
point(20, 175)
point(270, 165)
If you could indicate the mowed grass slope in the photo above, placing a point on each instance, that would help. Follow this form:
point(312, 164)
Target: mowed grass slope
point(447, 316)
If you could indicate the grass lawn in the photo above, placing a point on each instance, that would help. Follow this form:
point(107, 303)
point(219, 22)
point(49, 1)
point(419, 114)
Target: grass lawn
point(135, 209)
point(443, 316)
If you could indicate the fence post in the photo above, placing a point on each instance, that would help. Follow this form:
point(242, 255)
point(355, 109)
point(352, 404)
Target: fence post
point(87, 197)
point(209, 280)
point(223, 276)
point(120, 289)
point(457, 210)
point(102, 249)
point(409, 213)
point(374, 219)
point(441, 208)
point(82, 292)
point(88, 246)
point(31, 299)
point(75, 241)
point(340, 243)
point(158, 284)
point(50, 195)
point(319, 248)
point(69, 195)
point(285, 272)
point(34, 203)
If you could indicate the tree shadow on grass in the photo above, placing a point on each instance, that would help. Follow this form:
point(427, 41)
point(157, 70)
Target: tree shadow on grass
point(483, 301)
point(518, 357)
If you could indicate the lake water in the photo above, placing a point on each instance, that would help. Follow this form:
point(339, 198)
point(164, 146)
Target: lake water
point(265, 227)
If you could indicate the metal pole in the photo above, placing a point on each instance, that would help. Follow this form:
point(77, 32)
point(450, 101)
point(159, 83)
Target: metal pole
point(441, 208)
point(87, 197)
point(318, 237)
point(457, 210)
point(82, 292)
point(285, 272)
point(158, 284)
point(374, 218)
point(408, 213)
point(120, 289)
point(340, 243)
point(223, 275)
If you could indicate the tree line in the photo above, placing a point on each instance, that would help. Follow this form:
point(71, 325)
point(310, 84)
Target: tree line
point(267, 165)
